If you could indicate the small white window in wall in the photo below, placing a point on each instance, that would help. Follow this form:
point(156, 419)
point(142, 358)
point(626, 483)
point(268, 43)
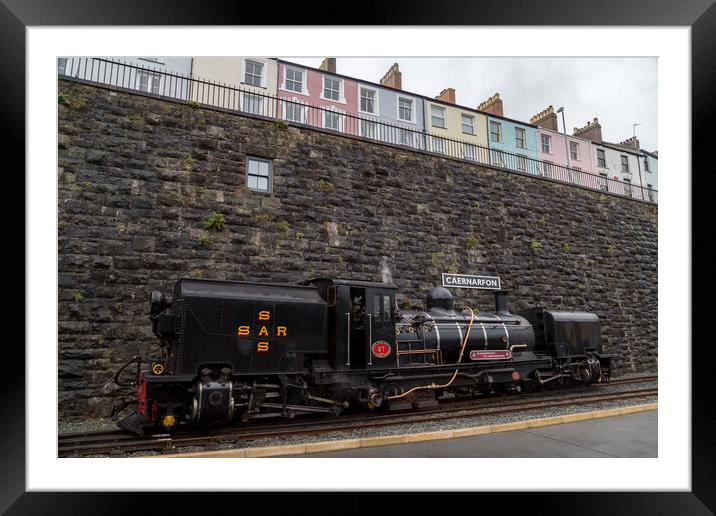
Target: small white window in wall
point(603, 183)
point(405, 137)
point(437, 116)
point(333, 119)
point(522, 163)
point(495, 131)
point(259, 174)
point(253, 73)
point(601, 160)
point(294, 79)
point(368, 98)
point(470, 152)
point(405, 109)
point(295, 110)
point(368, 129)
point(625, 163)
point(548, 169)
point(546, 143)
point(646, 165)
point(252, 104)
point(332, 88)
point(520, 140)
point(61, 64)
point(627, 187)
point(574, 150)
point(468, 124)
point(497, 158)
point(148, 81)
point(438, 145)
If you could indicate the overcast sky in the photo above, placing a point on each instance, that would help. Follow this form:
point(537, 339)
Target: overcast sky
point(618, 91)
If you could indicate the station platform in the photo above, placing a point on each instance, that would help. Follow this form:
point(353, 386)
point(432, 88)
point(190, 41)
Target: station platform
point(631, 435)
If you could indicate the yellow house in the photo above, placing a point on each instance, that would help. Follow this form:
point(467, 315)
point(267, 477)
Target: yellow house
point(455, 130)
point(238, 83)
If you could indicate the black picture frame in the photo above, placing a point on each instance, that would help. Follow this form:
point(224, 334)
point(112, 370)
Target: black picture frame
point(17, 15)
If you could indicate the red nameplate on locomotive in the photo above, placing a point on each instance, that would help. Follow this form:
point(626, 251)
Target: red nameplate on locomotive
point(491, 354)
point(381, 349)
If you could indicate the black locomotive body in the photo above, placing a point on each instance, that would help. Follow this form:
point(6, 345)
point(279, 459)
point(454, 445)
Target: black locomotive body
point(233, 350)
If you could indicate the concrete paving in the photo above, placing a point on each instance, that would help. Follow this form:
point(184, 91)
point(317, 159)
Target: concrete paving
point(632, 435)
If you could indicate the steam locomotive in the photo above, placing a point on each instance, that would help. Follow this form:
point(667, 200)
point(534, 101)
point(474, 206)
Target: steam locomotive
point(242, 351)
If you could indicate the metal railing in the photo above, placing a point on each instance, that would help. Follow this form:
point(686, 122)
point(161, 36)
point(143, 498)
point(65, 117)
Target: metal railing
point(246, 100)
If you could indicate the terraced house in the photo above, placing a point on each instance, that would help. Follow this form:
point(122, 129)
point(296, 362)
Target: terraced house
point(387, 113)
point(455, 130)
point(250, 83)
point(318, 96)
point(512, 144)
point(555, 150)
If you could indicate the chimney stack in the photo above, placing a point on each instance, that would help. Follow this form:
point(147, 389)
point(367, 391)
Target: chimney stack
point(393, 78)
point(501, 302)
point(592, 131)
point(632, 143)
point(546, 118)
point(447, 95)
point(492, 105)
point(328, 64)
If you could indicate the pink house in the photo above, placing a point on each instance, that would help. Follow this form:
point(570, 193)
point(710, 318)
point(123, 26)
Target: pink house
point(575, 153)
point(317, 96)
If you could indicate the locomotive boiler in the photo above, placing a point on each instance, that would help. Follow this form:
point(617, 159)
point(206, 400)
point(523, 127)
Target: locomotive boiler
point(242, 351)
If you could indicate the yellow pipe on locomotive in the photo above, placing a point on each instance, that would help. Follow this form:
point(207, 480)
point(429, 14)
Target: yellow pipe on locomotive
point(459, 359)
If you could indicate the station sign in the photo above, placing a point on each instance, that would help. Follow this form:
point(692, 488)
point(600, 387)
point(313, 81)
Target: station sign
point(469, 281)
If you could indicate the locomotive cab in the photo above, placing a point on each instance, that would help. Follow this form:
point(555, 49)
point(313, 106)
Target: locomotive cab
point(361, 332)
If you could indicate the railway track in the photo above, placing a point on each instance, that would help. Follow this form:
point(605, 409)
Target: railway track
point(118, 443)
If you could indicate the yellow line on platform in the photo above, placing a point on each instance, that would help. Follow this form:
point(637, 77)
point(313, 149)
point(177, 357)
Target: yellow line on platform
point(384, 440)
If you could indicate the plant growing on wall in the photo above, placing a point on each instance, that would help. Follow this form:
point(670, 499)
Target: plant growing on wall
point(535, 244)
point(205, 239)
point(188, 162)
point(215, 222)
point(471, 242)
point(324, 186)
point(566, 248)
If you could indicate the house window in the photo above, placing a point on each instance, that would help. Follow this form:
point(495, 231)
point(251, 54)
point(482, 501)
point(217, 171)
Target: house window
point(295, 111)
point(332, 120)
point(331, 88)
point(294, 79)
point(520, 138)
point(405, 137)
point(603, 183)
point(469, 151)
point(522, 163)
point(61, 64)
point(627, 187)
point(495, 132)
point(259, 174)
point(438, 145)
point(367, 100)
point(468, 124)
point(368, 129)
point(437, 116)
point(252, 104)
point(546, 144)
point(601, 160)
point(646, 165)
point(548, 169)
point(405, 109)
point(574, 150)
point(148, 82)
point(157, 60)
point(497, 158)
point(625, 163)
point(253, 73)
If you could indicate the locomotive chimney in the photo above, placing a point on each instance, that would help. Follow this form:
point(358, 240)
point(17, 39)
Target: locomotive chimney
point(501, 302)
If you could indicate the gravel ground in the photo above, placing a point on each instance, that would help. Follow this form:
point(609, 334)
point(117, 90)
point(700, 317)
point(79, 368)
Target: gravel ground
point(107, 424)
